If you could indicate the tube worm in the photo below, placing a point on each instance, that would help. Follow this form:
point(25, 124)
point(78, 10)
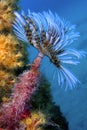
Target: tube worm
point(12, 111)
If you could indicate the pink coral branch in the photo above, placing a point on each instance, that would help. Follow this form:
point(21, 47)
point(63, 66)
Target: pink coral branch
point(11, 112)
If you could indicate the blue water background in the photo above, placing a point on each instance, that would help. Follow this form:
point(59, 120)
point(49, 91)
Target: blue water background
point(73, 103)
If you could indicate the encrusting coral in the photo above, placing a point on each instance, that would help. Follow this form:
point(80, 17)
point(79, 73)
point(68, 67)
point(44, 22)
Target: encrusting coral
point(7, 8)
point(9, 55)
point(12, 111)
point(8, 79)
point(34, 121)
point(13, 55)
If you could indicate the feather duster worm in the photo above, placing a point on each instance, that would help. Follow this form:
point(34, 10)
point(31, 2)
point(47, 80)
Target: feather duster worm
point(12, 111)
point(53, 37)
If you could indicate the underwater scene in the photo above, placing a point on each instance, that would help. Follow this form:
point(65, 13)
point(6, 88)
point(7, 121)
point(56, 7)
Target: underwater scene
point(43, 63)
